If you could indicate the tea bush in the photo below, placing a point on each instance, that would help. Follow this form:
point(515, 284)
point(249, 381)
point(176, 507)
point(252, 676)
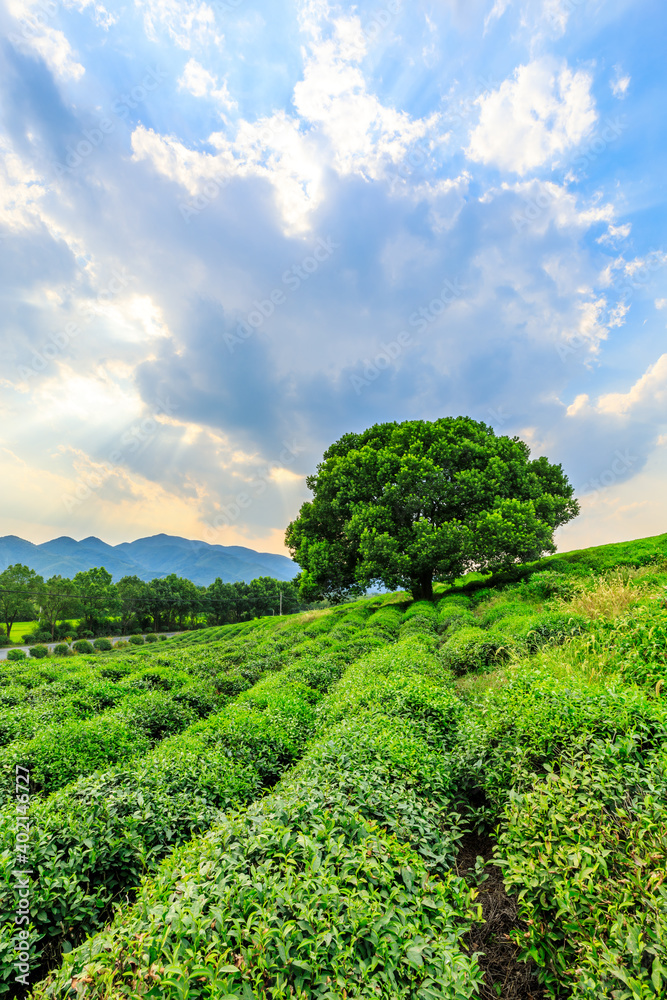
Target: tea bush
point(62, 649)
point(39, 652)
point(83, 646)
point(103, 645)
point(353, 860)
point(593, 836)
point(136, 640)
point(473, 648)
point(16, 654)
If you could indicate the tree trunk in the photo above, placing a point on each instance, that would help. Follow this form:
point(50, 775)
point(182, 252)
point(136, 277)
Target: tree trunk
point(422, 587)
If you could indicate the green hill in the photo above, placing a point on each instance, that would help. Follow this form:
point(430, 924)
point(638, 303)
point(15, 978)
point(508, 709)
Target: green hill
point(465, 798)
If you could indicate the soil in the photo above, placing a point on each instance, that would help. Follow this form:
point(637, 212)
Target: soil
point(505, 977)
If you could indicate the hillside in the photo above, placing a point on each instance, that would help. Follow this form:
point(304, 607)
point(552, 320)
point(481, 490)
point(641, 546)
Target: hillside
point(147, 558)
point(395, 799)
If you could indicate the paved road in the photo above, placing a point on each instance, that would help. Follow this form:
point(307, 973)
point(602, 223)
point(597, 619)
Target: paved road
point(51, 645)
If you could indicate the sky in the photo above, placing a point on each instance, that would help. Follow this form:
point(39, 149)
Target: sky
point(232, 231)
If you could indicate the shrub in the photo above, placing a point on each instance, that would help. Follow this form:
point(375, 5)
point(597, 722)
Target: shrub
point(489, 616)
point(151, 637)
point(136, 640)
point(593, 904)
point(162, 638)
point(420, 618)
point(471, 648)
point(103, 645)
point(121, 644)
point(554, 627)
point(157, 715)
point(39, 652)
point(548, 583)
point(62, 649)
point(29, 639)
point(454, 616)
point(16, 654)
point(85, 633)
point(83, 646)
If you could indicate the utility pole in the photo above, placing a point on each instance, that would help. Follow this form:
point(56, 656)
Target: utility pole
point(281, 602)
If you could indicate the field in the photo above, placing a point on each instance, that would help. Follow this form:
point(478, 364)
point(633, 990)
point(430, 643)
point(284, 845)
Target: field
point(19, 629)
point(395, 799)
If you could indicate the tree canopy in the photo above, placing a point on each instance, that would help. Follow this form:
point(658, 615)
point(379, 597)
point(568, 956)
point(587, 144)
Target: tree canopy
point(404, 504)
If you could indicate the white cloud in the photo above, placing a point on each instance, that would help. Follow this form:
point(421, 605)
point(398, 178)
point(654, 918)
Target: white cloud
point(615, 233)
point(200, 83)
point(35, 34)
point(338, 124)
point(619, 85)
point(579, 406)
point(660, 303)
point(187, 22)
point(647, 397)
point(536, 115)
point(496, 12)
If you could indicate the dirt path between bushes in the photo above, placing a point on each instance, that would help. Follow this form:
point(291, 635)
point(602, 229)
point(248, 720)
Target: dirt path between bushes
point(505, 977)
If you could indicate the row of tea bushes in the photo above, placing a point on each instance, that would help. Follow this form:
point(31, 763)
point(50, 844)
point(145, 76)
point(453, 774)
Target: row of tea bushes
point(585, 850)
point(93, 840)
point(338, 880)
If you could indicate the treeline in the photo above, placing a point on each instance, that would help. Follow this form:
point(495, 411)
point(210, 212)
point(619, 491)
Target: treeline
point(169, 604)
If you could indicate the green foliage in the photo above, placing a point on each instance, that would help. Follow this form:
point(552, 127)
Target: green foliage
point(554, 627)
point(488, 616)
point(453, 615)
point(404, 504)
point(340, 876)
point(83, 646)
point(593, 836)
point(103, 645)
point(635, 645)
point(39, 652)
point(62, 649)
point(472, 648)
point(136, 640)
point(16, 654)
point(339, 873)
point(151, 637)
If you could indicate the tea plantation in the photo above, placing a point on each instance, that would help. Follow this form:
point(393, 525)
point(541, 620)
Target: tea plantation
point(451, 799)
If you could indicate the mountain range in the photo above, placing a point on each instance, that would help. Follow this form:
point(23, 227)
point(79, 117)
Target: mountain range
point(147, 558)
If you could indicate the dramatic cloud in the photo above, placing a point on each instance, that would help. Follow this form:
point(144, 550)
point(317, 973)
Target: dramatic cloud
point(231, 233)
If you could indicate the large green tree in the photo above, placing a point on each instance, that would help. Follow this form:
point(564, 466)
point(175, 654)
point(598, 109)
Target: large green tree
point(58, 600)
point(98, 596)
point(402, 505)
point(18, 588)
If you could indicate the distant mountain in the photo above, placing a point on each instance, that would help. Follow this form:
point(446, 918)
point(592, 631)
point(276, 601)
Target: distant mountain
point(147, 558)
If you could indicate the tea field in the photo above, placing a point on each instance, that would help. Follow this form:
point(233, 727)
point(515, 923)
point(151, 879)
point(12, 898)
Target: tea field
point(395, 799)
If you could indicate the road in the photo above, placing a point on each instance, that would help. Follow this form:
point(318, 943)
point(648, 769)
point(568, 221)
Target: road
point(51, 645)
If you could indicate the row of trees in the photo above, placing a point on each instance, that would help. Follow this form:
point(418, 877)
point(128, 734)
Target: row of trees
point(168, 604)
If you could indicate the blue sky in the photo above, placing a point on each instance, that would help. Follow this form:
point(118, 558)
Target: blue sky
point(233, 231)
